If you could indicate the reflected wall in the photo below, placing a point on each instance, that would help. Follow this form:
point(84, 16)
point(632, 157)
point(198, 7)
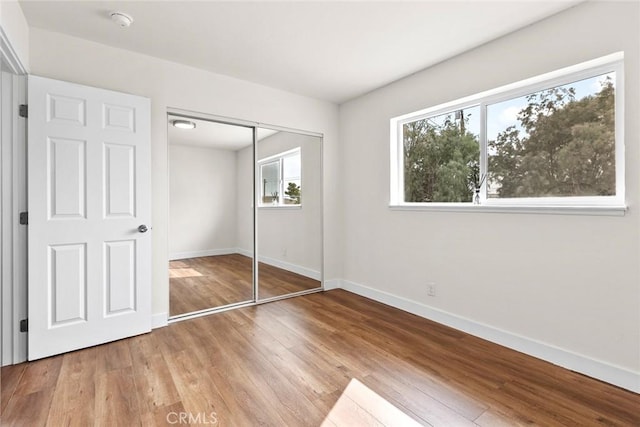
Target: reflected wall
point(210, 173)
point(289, 218)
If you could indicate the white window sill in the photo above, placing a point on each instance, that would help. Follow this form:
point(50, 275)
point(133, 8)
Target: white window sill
point(614, 210)
point(278, 207)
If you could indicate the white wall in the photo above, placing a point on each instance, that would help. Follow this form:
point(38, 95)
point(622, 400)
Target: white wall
point(293, 235)
point(244, 207)
point(202, 201)
point(169, 84)
point(288, 238)
point(570, 283)
point(14, 25)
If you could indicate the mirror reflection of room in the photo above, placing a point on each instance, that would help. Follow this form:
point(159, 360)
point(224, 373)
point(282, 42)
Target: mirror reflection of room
point(210, 214)
point(213, 199)
point(288, 186)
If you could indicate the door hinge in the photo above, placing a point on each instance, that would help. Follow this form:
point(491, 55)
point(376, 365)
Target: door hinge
point(24, 325)
point(24, 218)
point(23, 111)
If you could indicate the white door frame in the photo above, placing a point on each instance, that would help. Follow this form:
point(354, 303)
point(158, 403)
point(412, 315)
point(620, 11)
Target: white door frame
point(13, 263)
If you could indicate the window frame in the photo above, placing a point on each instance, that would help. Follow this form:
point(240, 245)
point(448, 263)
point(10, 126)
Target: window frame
point(570, 204)
point(279, 158)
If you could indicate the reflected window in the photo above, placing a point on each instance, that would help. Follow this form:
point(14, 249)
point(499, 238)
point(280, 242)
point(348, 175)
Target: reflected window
point(281, 179)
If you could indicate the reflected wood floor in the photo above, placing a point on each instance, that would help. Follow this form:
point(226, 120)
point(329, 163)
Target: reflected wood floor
point(214, 281)
point(331, 358)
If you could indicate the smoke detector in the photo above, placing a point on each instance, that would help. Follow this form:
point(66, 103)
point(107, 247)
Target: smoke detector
point(122, 19)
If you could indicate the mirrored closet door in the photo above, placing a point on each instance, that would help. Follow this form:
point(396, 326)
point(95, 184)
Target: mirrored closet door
point(211, 215)
point(289, 218)
point(236, 188)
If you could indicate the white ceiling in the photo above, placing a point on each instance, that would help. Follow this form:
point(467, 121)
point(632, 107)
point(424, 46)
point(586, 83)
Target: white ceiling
point(327, 50)
point(210, 134)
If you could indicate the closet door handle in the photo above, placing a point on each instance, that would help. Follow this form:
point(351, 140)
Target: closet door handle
point(142, 229)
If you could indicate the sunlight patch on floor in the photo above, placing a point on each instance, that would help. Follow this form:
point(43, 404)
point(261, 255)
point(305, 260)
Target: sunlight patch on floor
point(358, 405)
point(183, 272)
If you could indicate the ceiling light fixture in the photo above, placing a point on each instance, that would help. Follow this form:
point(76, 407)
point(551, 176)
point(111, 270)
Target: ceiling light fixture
point(122, 19)
point(183, 124)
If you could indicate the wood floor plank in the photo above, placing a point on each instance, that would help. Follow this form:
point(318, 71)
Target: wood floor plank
point(28, 410)
point(222, 280)
point(288, 382)
point(11, 376)
point(267, 380)
point(291, 362)
point(206, 282)
point(323, 343)
point(322, 362)
point(395, 365)
point(386, 362)
point(173, 339)
point(266, 319)
point(198, 392)
point(308, 381)
point(163, 416)
point(493, 418)
point(113, 356)
point(39, 375)
point(428, 409)
point(276, 281)
point(360, 400)
point(74, 397)
point(116, 400)
point(240, 405)
point(153, 380)
point(239, 385)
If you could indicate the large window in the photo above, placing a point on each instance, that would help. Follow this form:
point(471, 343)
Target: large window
point(281, 179)
point(555, 140)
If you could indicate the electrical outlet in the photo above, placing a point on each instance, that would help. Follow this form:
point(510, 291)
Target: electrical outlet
point(284, 252)
point(431, 289)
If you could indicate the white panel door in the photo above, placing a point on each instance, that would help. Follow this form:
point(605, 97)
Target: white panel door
point(89, 214)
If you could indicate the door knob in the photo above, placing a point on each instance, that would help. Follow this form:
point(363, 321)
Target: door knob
point(143, 228)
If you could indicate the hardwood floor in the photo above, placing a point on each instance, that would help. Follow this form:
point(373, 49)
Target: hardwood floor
point(214, 281)
point(331, 358)
point(276, 282)
point(206, 282)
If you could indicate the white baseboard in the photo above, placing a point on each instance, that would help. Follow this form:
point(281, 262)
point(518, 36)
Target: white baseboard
point(196, 254)
point(245, 252)
point(332, 284)
point(159, 320)
point(298, 269)
point(603, 371)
